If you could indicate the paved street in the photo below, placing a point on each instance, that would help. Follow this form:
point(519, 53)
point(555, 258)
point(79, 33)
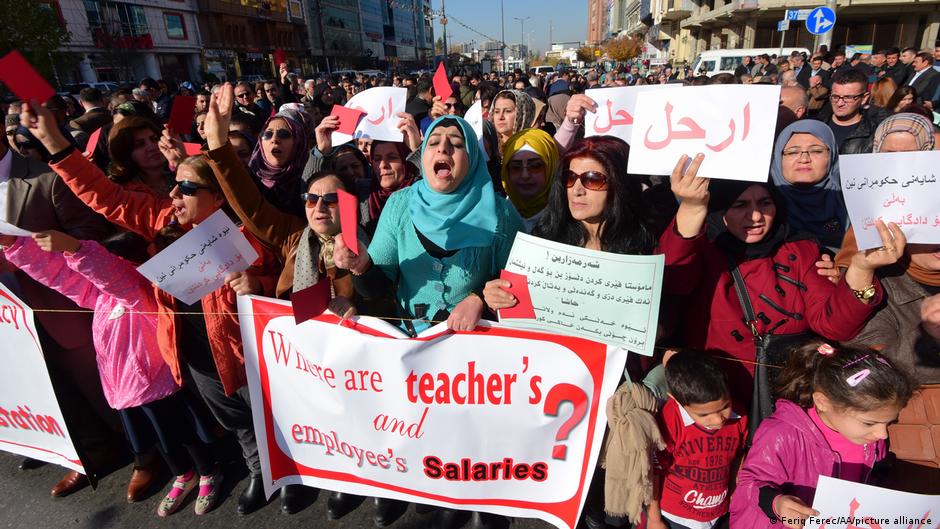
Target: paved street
point(25, 504)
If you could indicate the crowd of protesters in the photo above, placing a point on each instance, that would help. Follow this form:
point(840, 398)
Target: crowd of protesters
point(148, 375)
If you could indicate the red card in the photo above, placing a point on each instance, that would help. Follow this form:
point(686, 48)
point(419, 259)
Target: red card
point(92, 142)
point(348, 207)
point(311, 301)
point(441, 84)
point(181, 115)
point(348, 118)
point(519, 288)
point(278, 57)
point(192, 149)
point(23, 80)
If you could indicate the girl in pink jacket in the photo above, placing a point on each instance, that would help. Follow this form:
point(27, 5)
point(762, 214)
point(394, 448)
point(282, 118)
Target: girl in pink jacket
point(135, 379)
point(831, 420)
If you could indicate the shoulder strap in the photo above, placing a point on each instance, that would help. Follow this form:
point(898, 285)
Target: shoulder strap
point(741, 289)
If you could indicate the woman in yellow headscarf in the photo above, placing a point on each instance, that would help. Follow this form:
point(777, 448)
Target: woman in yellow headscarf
point(530, 162)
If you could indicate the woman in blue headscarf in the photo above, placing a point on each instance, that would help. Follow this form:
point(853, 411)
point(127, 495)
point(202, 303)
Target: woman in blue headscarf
point(441, 239)
point(805, 171)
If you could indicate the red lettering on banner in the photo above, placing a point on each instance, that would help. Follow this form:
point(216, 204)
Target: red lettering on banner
point(464, 388)
point(282, 356)
point(22, 418)
point(8, 315)
point(306, 434)
point(384, 423)
point(467, 470)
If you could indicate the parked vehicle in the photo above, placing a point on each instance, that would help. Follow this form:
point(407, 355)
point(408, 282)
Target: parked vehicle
point(713, 62)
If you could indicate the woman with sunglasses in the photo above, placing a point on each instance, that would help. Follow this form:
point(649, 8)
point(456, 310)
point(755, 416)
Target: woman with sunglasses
point(304, 246)
point(530, 161)
point(278, 161)
point(437, 242)
point(203, 344)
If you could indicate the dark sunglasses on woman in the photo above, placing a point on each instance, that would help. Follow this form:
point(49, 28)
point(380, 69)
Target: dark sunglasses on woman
point(331, 199)
point(282, 134)
point(189, 188)
point(591, 180)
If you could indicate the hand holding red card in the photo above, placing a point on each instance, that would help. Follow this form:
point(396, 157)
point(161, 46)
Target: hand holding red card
point(23, 80)
point(442, 86)
point(348, 206)
point(519, 287)
point(181, 115)
point(311, 301)
point(348, 118)
point(192, 149)
point(92, 143)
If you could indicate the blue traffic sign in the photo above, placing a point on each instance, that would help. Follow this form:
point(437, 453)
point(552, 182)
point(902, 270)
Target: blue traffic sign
point(820, 20)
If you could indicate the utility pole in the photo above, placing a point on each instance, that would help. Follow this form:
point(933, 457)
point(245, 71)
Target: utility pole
point(551, 27)
point(502, 22)
point(521, 36)
point(444, 24)
point(326, 58)
point(826, 38)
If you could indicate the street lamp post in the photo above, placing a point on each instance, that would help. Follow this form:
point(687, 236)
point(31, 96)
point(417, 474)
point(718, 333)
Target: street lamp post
point(522, 35)
point(502, 22)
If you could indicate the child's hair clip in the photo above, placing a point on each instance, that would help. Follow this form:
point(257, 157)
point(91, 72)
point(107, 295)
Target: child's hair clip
point(857, 378)
point(825, 349)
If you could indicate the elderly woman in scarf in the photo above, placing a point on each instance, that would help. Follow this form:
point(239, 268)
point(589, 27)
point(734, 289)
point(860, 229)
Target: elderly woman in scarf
point(278, 161)
point(805, 171)
point(530, 163)
point(392, 171)
point(907, 326)
point(511, 112)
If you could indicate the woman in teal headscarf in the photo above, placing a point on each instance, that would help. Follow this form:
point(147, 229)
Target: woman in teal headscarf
point(440, 240)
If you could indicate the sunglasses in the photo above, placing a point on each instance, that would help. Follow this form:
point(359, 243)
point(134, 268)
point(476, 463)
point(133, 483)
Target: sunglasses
point(189, 188)
point(591, 180)
point(282, 134)
point(242, 96)
point(331, 199)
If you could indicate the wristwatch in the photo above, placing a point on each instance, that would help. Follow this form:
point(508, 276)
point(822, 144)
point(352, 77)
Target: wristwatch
point(866, 293)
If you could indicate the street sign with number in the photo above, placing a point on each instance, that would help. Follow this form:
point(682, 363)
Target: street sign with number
point(798, 14)
point(821, 20)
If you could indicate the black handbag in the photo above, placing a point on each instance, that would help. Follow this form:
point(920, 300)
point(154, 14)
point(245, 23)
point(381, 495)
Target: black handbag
point(771, 354)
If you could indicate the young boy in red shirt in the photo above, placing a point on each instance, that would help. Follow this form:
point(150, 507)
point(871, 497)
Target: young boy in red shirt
point(704, 439)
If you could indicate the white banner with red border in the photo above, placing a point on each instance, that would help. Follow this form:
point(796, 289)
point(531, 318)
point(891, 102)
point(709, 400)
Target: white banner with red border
point(31, 423)
point(498, 420)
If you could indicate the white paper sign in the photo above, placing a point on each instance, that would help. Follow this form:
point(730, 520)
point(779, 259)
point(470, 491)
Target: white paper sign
point(616, 108)
point(732, 125)
point(8, 229)
point(899, 187)
point(849, 505)
point(382, 104)
point(198, 262)
point(607, 297)
point(31, 423)
point(474, 116)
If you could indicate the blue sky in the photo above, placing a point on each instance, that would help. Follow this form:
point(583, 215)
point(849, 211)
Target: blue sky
point(568, 17)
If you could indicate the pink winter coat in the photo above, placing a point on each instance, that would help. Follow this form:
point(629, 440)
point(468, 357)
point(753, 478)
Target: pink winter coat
point(130, 365)
point(788, 455)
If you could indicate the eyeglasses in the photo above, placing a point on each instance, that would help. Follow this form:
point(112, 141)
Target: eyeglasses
point(189, 188)
point(242, 95)
point(282, 134)
point(330, 199)
point(591, 180)
point(533, 165)
point(450, 105)
point(846, 99)
point(812, 152)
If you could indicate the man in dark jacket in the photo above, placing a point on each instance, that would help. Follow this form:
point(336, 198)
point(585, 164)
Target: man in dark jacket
point(96, 113)
point(894, 68)
point(420, 104)
point(852, 126)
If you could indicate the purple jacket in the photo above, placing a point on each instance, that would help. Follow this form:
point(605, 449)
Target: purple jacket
point(130, 365)
point(789, 454)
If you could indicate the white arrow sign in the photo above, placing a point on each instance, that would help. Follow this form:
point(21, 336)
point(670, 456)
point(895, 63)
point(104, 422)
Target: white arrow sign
point(822, 22)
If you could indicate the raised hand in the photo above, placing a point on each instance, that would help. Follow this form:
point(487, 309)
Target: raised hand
point(692, 192)
point(324, 133)
point(577, 106)
point(345, 259)
point(410, 129)
point(219, 116)
point(171, 146)
point(42, 125)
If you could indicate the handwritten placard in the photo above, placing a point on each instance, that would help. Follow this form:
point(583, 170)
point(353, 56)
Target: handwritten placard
point(732, 125)
point(615, 110)
point(198, 262)
point(381, 105)
point(849, 505)
point(899, 187)
point(607, 297)
point(474, 116)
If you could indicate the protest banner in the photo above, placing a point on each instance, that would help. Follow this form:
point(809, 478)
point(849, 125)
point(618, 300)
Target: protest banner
point(732, 125)
point(382, 104)
point(198, 262)
point(849, 505)
point(616, 108)
point(31, 423)
point(497, 420)
point(899, 187)
point(474, 116)
point(608, 297)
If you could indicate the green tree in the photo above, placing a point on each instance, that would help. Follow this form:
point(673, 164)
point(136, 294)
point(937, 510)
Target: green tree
point(33, 28)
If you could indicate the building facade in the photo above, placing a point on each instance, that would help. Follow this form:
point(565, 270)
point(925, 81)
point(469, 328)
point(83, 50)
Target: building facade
point(127, 40)
point(598, 21)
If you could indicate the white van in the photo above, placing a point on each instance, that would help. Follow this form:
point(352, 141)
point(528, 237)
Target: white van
point(713, 62)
